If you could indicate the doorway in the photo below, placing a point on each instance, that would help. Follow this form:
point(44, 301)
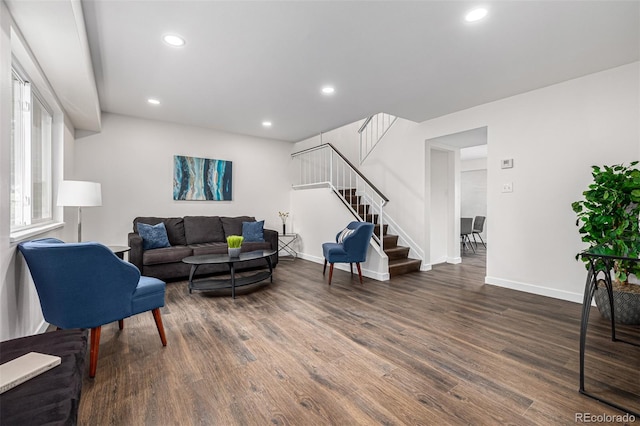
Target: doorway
point(457, 187)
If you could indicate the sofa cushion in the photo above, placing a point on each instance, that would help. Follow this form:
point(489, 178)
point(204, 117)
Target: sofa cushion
point(153, 236)
point(203, 229)
point(166, 255)
point(233, 225)
point(174, 226)
point(209, 248)
point(253, 231)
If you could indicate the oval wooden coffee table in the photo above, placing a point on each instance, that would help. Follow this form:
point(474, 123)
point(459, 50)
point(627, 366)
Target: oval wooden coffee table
point(210, 284)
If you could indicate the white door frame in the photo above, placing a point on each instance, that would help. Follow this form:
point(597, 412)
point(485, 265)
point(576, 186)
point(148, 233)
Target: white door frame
point(452, 202)
point(451, 144)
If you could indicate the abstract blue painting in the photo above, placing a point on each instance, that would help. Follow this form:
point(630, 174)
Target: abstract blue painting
point(201, 179)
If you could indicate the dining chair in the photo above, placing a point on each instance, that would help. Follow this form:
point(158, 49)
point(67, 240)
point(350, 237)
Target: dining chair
point(478, 227)
point(466, 229)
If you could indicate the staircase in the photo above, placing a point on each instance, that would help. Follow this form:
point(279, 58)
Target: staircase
point(324, 166)
point(399, 261)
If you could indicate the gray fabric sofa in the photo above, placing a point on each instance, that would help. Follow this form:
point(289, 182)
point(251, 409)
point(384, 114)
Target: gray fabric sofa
point(192, 236)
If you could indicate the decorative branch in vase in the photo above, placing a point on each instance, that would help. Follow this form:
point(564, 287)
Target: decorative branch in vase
point(284, 216)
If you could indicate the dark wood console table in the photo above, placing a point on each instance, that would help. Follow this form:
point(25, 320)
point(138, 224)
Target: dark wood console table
point(600, 267)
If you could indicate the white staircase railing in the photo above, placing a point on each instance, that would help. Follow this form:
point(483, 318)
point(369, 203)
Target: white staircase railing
point(325, 166)
point(372, 130)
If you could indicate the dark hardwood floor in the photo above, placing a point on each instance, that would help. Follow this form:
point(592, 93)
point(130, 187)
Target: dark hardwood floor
point(428, 348)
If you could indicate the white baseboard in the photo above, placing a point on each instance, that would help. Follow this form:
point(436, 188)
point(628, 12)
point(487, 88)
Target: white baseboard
point(424, 267)
point(530, 288)
point(452, 260)
point(378, 276)
point(315, 259)
point(42, 327)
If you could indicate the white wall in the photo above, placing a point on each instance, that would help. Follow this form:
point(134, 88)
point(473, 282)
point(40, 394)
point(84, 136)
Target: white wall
point(345, 139)
point(133, 160)
point(476, 164)
point(554, 135)
point(397, 168)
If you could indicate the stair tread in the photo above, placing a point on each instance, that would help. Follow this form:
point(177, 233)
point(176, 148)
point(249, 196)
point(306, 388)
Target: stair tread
point(397, 253)
point(403, 262)
point(395, 249)
point(403, 266)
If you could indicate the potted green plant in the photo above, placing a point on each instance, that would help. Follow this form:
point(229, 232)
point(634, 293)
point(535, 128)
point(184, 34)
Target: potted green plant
point(234, 243)
point(608, 221)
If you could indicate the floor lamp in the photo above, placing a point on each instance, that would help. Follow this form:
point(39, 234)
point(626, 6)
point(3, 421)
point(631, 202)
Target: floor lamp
point(75, 193)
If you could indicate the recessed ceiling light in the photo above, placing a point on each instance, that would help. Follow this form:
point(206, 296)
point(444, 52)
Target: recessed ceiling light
point(174, 40)
point(266, 123)
point(153, 101)
point(327, 90)
point(476, 14)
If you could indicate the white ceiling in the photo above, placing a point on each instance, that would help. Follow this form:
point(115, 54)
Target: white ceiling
point(246, 62)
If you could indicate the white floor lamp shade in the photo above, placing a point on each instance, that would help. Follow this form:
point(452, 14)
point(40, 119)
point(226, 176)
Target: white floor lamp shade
point(76, 193)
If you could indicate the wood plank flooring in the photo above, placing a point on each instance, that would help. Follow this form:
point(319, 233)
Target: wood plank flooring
point(429, 348)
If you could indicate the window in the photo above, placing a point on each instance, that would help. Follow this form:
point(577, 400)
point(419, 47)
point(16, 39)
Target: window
point(31, 172)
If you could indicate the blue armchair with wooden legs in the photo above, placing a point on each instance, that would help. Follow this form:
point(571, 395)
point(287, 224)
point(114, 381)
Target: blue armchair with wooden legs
point(85, 285)
point(350, 247)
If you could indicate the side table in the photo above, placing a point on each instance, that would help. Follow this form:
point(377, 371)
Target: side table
point(600, 267)
point(119, 250)
point(285, 243)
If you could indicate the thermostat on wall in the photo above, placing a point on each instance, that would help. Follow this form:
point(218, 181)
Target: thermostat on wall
point(507, 163)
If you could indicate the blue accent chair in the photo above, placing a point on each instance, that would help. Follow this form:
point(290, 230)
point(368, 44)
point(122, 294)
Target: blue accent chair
point(351, 248)
point(85, 285)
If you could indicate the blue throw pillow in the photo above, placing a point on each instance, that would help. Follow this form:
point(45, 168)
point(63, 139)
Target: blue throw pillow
point(253, 231)
point(153, 236)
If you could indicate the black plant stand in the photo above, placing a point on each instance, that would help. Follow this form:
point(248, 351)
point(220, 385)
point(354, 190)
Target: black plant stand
point(599, 265)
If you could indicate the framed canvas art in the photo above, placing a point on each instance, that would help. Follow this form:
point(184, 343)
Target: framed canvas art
point(201, 179)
